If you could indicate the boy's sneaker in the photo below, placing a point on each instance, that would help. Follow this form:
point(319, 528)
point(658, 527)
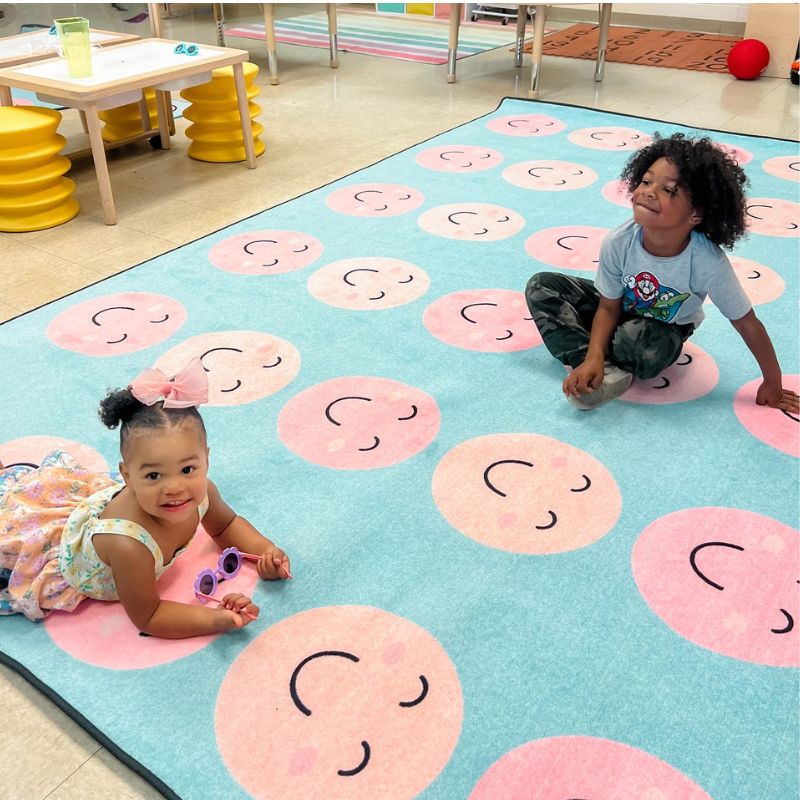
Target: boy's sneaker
point(615, 382)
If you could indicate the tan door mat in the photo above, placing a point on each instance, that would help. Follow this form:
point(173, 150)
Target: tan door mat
point(655, 48)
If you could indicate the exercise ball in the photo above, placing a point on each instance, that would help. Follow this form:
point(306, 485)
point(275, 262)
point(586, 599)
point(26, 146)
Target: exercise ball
point(748, 59)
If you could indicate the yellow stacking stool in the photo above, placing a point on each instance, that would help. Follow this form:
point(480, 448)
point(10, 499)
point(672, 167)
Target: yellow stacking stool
point(125, 122)
point(33, 192)
point(216, 130)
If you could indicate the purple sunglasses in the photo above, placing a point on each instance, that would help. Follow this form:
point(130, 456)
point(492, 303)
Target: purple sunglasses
point(228, 566)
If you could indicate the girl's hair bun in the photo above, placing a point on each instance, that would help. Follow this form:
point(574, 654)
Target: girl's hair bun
point(118, 406)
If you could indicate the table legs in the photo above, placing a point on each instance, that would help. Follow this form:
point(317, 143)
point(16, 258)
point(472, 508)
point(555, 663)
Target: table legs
point(269, 33)
point(602, 43)
point(333, 35)
point(163, 109)
point(522, 19)
point(100, 165)
point(244, 114)
point(5, 96)
point(536, 54)
point(452, 41)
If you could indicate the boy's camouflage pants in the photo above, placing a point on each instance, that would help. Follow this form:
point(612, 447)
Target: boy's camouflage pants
point(563, 308)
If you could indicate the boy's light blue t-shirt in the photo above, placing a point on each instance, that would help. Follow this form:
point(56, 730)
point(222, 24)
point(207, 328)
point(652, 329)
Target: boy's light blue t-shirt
point(670, 289)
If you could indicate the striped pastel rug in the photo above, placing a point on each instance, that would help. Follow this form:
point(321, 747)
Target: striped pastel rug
point(392, 36)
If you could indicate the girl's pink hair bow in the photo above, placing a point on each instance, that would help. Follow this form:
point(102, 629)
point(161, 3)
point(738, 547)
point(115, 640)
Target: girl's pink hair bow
point(188, 388)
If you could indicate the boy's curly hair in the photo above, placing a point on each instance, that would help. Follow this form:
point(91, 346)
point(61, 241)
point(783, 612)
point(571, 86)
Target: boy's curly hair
point(714, 181)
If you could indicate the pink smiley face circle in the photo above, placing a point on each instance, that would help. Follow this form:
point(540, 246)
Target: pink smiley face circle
point(725, 579)
point(777, 428)
point(771, 216)
point(242, 366)
point(610, 138)
point(99, 632)
point(30, 450)
point(117, 324)
point(693, 375)
point(459, 158)
point(616, 192)
point(484, 320)
point(564, 767)
point(369, 284)
point(785, 167)
point(267, 252)
point(471, 222)
point(375, 199)
point(549, 176)
point(526, 125)
point(760, 283)
point(352, 701)
point(359, 422)
point(526, 493)
point(571, 247)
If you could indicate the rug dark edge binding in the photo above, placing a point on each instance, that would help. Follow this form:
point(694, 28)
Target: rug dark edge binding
point(380, 160)
point(71, 712)
point(89, 727)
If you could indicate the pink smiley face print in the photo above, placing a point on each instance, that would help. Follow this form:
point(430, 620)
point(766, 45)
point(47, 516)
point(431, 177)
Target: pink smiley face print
point(352, 702)
point(242, 366)
point(616, 192)
point(786, 167)
point(471, 222)
point(725, 579)
point(571, 247)
point(369, 284)
point(693, 375)
point(610, 138)
point(526, 125)
point(30, 450)
point(359, 422)
point(484, 320)
point(459, 158)
point(777, 428)
point(116, 324)
point(583, 768)
point(375, 200)
point(267, 252)
point(99, 632)
point(550, 176)
point(771, 216)
point(760, 283)
point(526, 493)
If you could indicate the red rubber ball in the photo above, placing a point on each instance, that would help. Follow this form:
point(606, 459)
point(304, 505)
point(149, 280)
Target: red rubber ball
point(748, 59)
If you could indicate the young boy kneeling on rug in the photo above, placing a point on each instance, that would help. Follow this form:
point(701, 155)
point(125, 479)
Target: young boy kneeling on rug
point(654, 274)
point(67, 533)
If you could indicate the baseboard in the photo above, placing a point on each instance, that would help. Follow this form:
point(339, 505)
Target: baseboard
point(725, 27)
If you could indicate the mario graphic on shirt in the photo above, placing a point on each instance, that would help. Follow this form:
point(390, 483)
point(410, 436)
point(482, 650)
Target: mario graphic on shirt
point(644, 295)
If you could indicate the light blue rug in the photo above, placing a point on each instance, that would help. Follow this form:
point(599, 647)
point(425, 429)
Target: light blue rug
point(495, 595)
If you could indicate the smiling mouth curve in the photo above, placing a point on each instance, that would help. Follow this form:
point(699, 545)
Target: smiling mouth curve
point(647, 208)
point(175, 506)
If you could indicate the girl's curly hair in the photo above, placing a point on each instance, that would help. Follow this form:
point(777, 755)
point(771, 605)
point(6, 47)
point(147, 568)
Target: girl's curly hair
point(714, 181)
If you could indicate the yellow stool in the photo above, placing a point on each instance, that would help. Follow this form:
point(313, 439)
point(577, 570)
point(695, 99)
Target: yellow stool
point(125, 122)
point(33, 193)
point(216, 131)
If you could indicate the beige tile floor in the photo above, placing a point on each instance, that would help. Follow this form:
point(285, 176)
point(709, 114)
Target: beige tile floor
point(320, 124)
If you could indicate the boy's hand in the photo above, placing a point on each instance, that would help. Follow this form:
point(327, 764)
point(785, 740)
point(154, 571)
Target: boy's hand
point(776, 396)
point(238, 609)
point(584, 379)
point(273, 564)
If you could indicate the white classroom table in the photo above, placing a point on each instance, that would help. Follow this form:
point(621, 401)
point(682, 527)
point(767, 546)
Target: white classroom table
point(121, 73)
point(456, 9)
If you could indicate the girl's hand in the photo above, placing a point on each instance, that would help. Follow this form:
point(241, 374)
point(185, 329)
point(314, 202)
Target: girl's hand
point(584, 379)
point(239, 610)
point(273, 564)
point(776, 396)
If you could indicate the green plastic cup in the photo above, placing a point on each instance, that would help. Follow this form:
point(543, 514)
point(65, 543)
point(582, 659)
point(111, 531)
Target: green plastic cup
point(73, 32)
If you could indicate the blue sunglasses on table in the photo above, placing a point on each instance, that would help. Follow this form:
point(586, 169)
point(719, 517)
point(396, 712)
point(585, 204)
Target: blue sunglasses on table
point(187, 49)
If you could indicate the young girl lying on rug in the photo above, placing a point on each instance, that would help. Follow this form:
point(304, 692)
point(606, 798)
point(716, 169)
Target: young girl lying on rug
point(67, 533)
point(654, 274)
